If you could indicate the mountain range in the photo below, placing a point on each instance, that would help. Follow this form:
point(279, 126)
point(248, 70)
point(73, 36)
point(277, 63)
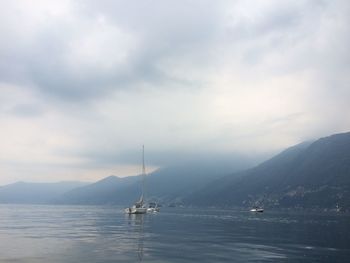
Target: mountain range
point(166, 185)
point(308, 175)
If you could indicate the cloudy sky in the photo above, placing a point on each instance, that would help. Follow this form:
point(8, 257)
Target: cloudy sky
point(83, 84)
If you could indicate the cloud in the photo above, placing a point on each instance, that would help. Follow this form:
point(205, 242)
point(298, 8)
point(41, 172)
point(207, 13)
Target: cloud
point(77, 51)
point(84, 83)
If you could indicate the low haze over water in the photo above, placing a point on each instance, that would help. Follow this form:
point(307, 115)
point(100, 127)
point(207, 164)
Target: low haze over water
point(105, 234)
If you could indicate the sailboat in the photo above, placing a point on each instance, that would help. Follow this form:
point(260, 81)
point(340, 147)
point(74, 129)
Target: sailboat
point(257, 209)
point(139, 207)
point(153, 208)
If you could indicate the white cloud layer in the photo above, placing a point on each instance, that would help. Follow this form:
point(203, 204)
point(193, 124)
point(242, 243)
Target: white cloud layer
point(84, 83)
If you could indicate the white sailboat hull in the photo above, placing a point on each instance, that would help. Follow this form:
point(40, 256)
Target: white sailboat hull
point(136, 210)
point(153, 209)
point(257, 210)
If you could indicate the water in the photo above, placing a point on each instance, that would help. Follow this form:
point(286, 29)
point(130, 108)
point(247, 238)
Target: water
point(104, 234)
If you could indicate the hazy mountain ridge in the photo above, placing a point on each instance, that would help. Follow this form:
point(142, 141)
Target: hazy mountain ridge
point(309, 175)
point(105, 191)
point(165, 185)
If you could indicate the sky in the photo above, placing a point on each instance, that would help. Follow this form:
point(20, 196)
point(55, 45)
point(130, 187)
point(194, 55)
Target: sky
point(84, 84)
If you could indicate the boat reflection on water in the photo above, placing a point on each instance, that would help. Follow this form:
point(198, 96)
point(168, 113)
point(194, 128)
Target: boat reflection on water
point(136, 222)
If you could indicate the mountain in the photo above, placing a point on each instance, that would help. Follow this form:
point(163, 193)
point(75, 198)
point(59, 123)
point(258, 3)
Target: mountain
point(35, 193)
point(176, 182)
point(110, 190)
point(165, 185)
point(308, 175)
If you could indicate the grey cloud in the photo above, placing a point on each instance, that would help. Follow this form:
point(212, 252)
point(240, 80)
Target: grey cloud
point(27, 111)
point(163, 30)
point(160, 158)
point(146, 50)
point(285, 119)
point(272, 22)
point(293, 29)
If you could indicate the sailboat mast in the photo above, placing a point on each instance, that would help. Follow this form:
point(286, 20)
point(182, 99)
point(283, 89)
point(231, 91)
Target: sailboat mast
point(143, 171)
point(143, 160)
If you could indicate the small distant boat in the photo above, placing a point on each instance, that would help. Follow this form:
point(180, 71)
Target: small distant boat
point(153, 208)
point(257, 210)
point(337, 208)
point(139, 207)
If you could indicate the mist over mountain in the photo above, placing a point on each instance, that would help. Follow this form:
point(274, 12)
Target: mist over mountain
point(165, 185)
point(308, 175)
point(110, 190)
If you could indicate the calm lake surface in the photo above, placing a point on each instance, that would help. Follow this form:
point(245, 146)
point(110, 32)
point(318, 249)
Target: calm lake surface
point(38, 234)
